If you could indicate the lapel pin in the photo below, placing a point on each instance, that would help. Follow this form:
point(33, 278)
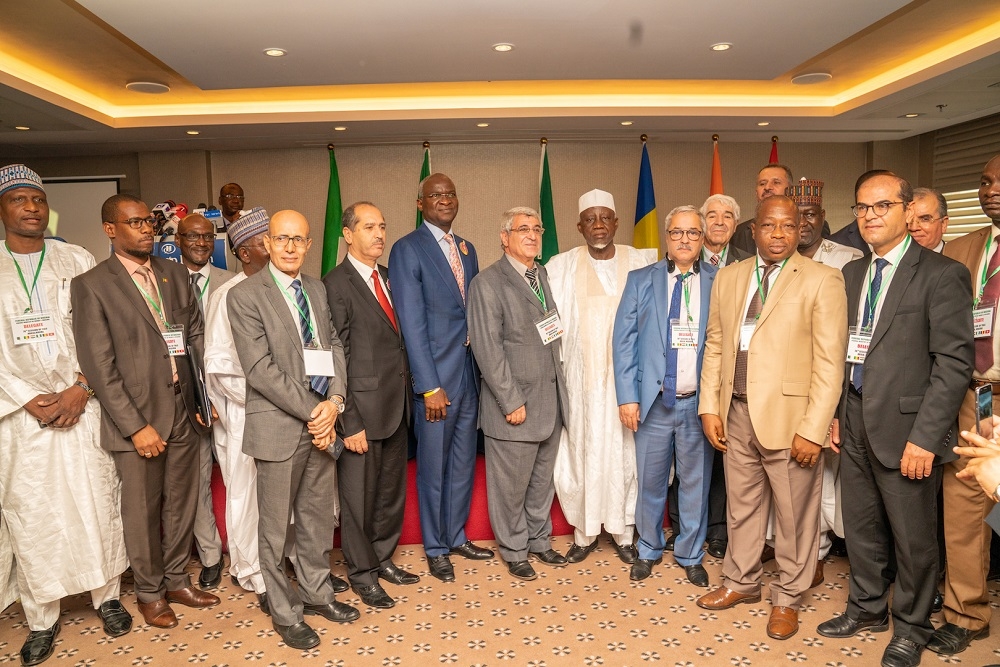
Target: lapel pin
point(464, 248)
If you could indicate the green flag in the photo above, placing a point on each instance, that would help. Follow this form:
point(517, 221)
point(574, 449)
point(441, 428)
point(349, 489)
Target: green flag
point(333, 229)
point(550, 244)
point(425, 171)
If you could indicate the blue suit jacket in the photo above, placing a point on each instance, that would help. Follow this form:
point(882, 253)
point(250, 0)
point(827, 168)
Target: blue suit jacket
point(640, 338)
point(431, 313)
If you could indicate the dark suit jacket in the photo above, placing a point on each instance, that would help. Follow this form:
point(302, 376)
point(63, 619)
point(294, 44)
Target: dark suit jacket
point(378, 374)
point(921, 355)
point(743, 238)
point(122, 352)
point(851, 236)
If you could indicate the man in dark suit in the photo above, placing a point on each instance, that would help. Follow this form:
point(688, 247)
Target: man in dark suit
point(371, 473)
point(296, 382)
point(772, 179)
point(431, 269)
point(911, 309)
point(514, 330)
point(850, 235)
point(135, 319)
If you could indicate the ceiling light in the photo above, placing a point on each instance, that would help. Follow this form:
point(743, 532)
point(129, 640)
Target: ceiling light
point(340, 128)
point(21, 127)
point(150, 87)
point(503, 47)
point(482, 124)
point(722, 46)
point(808, 78)
point(275, 52)
point(911, 115)
point(193, 132)
point(626, 123)
point(763, 123)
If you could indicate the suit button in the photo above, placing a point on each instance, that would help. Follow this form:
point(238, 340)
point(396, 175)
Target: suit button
point(166, 356)
point(657, 382)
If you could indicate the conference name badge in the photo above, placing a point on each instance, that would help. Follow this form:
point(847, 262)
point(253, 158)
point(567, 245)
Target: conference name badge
point(550, 327)
point(683, 334)
point(746, 333)
point(858, 342)
point(33, 328)
point(982, 320)
point(174, 338)
point(318, 360)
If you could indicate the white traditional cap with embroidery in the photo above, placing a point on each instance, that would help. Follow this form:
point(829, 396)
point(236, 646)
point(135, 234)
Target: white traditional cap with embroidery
point(248, 225)
point(18, 176)
point(597, 198)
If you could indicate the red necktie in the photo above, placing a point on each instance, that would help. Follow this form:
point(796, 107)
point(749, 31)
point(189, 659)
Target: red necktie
point(984, 346)
point(384, 300)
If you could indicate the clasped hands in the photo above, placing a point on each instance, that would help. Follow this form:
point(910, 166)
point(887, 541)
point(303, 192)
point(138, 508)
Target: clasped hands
point(59, 410)
point(322, 420)
point(984, 460)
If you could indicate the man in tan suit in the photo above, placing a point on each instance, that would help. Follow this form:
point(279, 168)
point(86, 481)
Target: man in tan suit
point(770, 382)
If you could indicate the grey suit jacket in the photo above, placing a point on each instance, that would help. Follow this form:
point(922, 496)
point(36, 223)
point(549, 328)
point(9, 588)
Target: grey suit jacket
point(517, 368)
point(279, 400)
point(217, 278)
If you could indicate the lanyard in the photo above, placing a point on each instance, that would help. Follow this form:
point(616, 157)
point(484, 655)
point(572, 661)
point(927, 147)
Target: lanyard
point(760, 287)
point(284, 292)
point(159, 295)
point(986, 278)
point(201, 294)
point(722, 255)
point(20, 274)
point(687, 293)
point(873, 298)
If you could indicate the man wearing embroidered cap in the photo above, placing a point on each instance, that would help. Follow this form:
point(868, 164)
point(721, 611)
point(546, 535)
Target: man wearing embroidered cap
point(59, 492)
point(595, 465)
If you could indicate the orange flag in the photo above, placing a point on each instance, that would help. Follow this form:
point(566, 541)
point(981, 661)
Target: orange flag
point(715, 188)
point(774, 150)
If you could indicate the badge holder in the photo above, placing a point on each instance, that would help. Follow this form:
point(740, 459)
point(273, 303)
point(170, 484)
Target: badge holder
point(550, 327)
point(683, 334)
point(33, 328)
point(983, 316)
point(318, 360)
point(746, 333)
point(173, 335)
point(858, 342)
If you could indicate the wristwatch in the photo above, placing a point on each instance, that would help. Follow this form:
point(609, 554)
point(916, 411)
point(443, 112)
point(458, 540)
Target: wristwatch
point(339, 402)
point(86, 387)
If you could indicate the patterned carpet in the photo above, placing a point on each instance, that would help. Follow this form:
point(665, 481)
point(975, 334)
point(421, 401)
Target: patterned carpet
point(584, 614)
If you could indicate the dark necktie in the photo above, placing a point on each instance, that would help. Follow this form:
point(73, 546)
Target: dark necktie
point(319, 383)
point(383, 300)
point(532, 276)
point(984, 346)
point(753, 310)
point(195, 280)
point(858, 372)
point(669, 396)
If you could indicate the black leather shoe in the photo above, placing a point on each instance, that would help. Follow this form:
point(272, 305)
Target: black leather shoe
point(521, 569)
point(901, 652)
point(264, 606)
point(717, 548)
point(472, 552)
point(338, 612)
point(395, 575)
point(938, 603)
point(626, 552)
point(838, 546)
point(669, 546)
point(210, 576)
point(549, 557)
point(339, 585)
point(299, 636)
point(117, 621)
point(843, 626)
point(441, 568)
point(578, 554)
point(767, 553)
point(697, 575)
point(39, 645)
point(642, 568)
point(374, 596)
point(950, 639)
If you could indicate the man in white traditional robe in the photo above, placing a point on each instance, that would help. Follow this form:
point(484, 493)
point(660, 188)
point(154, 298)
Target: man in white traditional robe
point(595, 473)
point(60, 494)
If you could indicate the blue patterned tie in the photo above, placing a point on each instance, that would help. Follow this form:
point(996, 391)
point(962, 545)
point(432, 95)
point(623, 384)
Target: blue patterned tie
point(669, 396)
point(858, 372)
point(319, 383)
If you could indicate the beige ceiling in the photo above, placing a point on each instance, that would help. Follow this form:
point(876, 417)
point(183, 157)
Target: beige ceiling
point(393, 71)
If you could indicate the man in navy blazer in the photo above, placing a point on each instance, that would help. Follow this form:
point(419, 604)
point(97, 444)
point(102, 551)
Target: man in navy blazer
point(659, 340)
point(430, 270)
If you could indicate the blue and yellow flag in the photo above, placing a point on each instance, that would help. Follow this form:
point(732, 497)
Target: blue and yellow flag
point(647, 227)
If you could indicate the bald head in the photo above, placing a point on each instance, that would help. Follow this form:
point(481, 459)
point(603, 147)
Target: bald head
point(288, 241)
point(196, 239)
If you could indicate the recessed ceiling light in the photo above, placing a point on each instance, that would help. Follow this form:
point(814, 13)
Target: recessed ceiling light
point(340, 128)
point(763, 123)
point(193, 132)
point(21, 127)
point(482, 124)
point(808, 78)
point(503, 47)
point(274, 52)
point(911, 115)
point(626, 123)
point(722, 46)
point(151, 87)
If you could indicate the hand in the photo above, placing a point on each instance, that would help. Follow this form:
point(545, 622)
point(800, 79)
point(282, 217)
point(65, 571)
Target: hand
point(517, 417)
point(984, 466)
point(436, 406)
point(37, 408)
point(357, 443)
point(916, 462)
point(806, 452)
point(323, 442)
point(323, 417)
point(835, 435)
point(712, 426)
point(147, 442)
point(215, 416)
point(628, 414)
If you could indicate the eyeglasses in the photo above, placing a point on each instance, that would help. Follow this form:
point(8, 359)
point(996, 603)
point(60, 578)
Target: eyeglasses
point(435, 196)
point(880, 208)
point(925, 220)
point(678, 234)
point(137, 223)
point(233, 197)
point(525, 229)
point(282, 240)
point(191, 237)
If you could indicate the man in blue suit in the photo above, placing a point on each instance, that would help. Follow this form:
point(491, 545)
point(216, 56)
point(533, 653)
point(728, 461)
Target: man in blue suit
point(430, 270)
point(659, 341)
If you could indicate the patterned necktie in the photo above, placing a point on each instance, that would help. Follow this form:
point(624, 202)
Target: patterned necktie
point(984, 346)
point(383, 299)
point(753, 310)
point(195, 280)
point(319, 383)
point(669, 396)
point(146, 278)
point(456, 264)
point(858, 372)
point(532, 276)
point(715, 259)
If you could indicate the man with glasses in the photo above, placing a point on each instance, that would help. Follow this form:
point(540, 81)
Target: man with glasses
point(515, 332)
point(230, 203)
point(658, 343)
point(196, 240)
point(135, 319)
point(770, 384)
point(930, 218)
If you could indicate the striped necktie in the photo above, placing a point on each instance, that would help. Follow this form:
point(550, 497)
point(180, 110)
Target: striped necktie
point(319, 383)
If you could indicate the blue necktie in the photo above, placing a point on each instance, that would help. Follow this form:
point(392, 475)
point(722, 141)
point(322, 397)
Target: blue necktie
point(319, 383)
point(669, 397)
point(858, 373)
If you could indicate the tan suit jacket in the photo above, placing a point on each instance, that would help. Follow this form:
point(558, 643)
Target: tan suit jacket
point(795, 366)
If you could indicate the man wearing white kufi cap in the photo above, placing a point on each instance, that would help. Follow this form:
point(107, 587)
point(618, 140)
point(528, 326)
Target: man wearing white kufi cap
point(595, 475)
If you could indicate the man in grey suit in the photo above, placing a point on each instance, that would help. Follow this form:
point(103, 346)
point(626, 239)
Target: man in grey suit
point(514, 332)
point(196, 240)
point(296, 381)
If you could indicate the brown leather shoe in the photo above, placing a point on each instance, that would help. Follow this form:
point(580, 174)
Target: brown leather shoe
point(818, 576)
point(158, 613)
point(784, 622)
point(192, 597)
point(724, 598)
